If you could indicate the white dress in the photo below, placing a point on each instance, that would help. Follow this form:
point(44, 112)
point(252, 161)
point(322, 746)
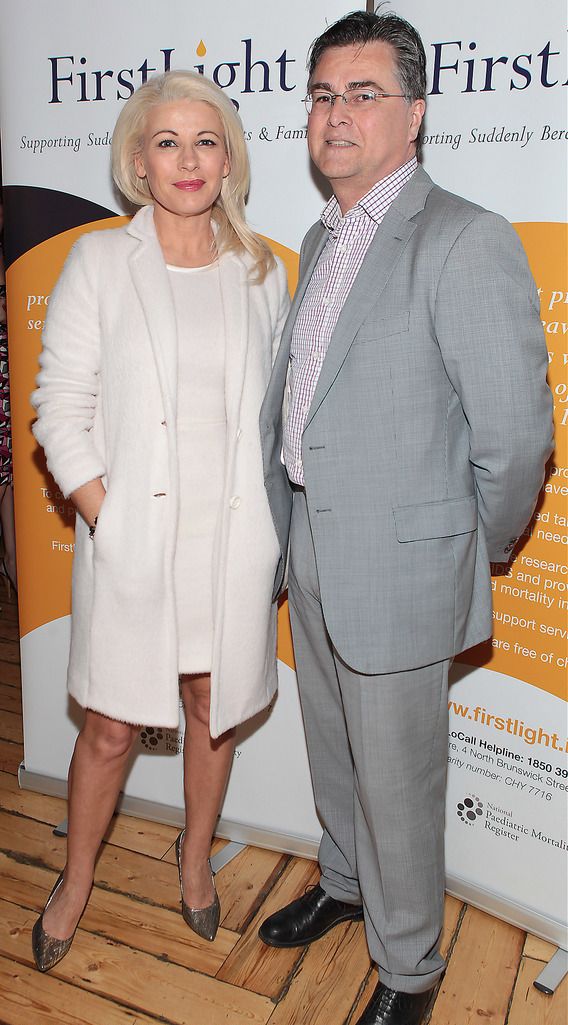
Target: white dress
point(201, 435)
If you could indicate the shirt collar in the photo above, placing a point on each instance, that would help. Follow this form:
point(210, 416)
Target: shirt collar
point(376, 201)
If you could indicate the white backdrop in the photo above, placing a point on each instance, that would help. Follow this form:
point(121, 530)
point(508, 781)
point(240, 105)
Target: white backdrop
point(498, 105)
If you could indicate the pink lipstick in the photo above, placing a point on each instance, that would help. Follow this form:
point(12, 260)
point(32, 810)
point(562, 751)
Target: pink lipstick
point(192, 185)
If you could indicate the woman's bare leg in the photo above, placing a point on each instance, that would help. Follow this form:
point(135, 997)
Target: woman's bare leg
point(95, 779)
point(206, 768)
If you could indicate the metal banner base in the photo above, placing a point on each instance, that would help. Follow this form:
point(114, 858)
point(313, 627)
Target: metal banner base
point(551, 976)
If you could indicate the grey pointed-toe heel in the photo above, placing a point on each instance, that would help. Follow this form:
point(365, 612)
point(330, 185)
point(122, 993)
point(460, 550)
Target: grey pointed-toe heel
point(203, 921)
point(48, 950)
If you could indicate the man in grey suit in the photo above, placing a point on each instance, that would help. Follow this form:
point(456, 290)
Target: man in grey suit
point(416, 432)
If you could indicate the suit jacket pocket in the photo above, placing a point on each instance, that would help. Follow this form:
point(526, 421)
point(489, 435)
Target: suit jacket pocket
point(375, 330)
point(431, 520)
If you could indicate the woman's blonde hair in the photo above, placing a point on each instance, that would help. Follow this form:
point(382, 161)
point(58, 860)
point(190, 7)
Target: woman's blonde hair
point(229, 209)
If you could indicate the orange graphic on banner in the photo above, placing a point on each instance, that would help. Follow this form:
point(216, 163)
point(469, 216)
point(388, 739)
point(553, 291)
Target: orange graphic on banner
point(530, 600)
point(43, 518)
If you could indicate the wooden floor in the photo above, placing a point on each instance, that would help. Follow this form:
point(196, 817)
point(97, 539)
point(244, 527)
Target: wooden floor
point(135, 961)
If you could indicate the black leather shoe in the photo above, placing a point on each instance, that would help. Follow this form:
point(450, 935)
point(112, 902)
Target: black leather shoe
point(307, 918)
point(391, 1007)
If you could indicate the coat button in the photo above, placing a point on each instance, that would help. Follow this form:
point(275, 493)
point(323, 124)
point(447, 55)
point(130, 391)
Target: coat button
point(235, 502)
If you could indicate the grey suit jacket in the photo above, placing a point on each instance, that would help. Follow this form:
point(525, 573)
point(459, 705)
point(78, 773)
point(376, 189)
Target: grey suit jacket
point(425, 445)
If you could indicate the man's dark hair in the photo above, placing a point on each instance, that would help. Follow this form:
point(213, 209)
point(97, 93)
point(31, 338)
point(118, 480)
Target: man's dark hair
point(361, 27)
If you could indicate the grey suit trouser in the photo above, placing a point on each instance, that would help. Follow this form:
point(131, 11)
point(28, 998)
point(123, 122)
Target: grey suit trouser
point(378, 755)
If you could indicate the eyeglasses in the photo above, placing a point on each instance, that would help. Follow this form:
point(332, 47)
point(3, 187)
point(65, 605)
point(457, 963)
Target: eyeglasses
point(359, 99)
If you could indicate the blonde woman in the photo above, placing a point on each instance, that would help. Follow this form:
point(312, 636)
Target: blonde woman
point(157, 351)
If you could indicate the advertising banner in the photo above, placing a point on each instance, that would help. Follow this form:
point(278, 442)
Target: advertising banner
point(496, 133)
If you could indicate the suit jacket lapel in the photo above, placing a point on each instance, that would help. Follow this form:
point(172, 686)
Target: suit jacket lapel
point(272, 405)
point(380, 260)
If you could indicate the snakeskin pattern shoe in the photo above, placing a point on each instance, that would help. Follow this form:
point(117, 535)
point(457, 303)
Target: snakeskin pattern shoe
point(203, 921)
point(48, 950)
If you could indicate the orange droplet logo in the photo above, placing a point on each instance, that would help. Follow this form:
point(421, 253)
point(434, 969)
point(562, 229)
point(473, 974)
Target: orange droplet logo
point(201, 49)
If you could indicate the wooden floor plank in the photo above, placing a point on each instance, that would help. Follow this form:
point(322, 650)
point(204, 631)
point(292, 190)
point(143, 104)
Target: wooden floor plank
point(154, 930)
point(452, 910)
point(152, 838)
point(10, 651)
point(529, 1006)
point(481, 974)
point(10, 674)
point(29, 998)
point(9, 629)
point(145, 837)
point(244, 883)
point(252, 964)
point(8, 608)
point(26, 802)
point(31, 841)
point(327, 980)
point(539, 949)
point(118, 870)
point(136, 979)
point(11, 727)
point(145, 878)
point(10, 756)
point(10, 698)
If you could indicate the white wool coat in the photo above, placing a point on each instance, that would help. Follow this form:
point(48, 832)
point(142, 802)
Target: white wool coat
point(106, 406)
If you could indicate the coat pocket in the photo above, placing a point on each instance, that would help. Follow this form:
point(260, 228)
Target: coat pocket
point(431, 520)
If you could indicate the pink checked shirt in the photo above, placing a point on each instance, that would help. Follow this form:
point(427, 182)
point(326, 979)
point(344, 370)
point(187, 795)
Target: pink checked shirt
point(325, 296)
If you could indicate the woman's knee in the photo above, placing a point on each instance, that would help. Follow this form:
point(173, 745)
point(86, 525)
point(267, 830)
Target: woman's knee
point(107, 738)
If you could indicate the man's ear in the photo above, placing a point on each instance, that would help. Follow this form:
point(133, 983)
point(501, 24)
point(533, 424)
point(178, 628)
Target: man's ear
point(417, 110)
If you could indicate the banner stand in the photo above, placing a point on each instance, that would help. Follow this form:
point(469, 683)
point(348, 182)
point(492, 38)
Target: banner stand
point(556, 970)
point(552, 976)
point(494, 128)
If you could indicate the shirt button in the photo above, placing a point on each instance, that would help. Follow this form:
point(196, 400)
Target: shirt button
point(235, 502)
